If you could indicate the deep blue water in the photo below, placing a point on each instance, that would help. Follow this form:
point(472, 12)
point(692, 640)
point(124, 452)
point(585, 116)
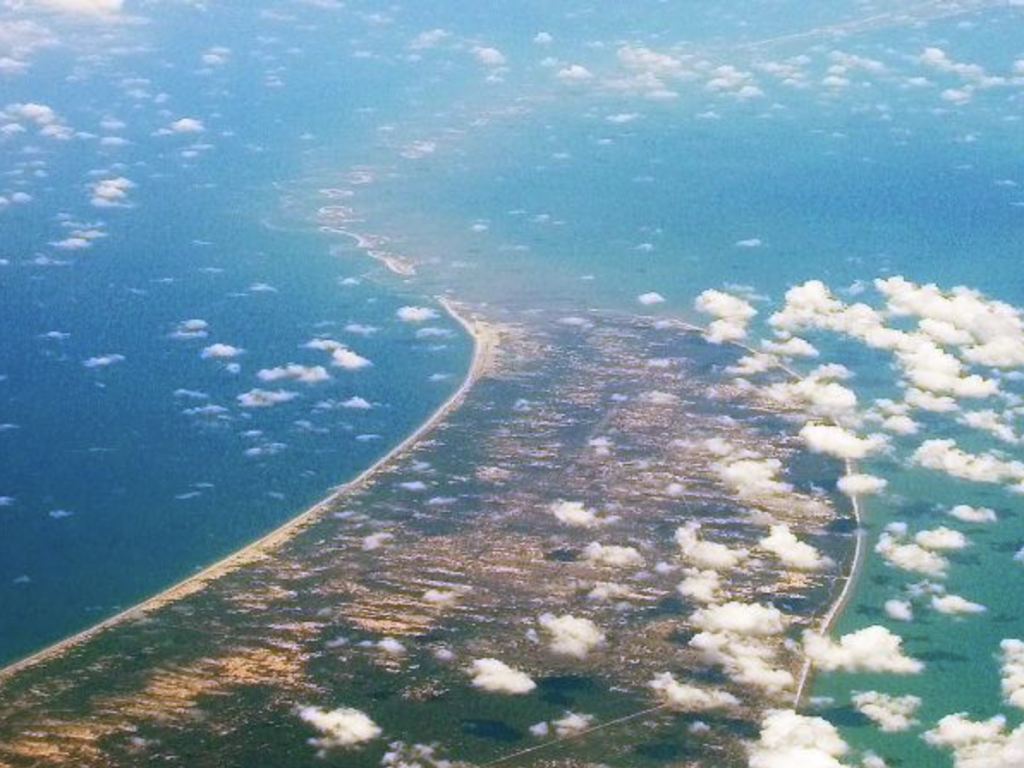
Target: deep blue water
point(112, 491)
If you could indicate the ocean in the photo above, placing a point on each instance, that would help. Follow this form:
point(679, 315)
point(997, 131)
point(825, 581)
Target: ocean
point(465, 139)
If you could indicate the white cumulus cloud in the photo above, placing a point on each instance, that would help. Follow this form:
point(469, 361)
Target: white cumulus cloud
point(570, 635)
point(890, 713)
point(689, 698)
point(345, 727)
point(872, 649)
point(498, 677)
point(797, 554)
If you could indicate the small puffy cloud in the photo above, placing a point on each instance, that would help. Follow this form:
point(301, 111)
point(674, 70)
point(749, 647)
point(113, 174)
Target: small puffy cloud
point(753, 364)
point(191, 329)
point(732, 315)
point(968, 514)
point(262, 398)
point(649, 299)
point(893, 546)
point(572, 723)
point(729, 80)
point(575, 514)
point(998, 425)
point(340, 728)
point(747, 660)
point(376, 540)
point(220, 351)
point(955, 605)
point(216, 56)
point(818, 393)
point(187, 125)
point(789, 740)
point(111, 193)
point(543, 38)
point(571, 636)
point(890, 713)
point(740, 619)
point(9, 66)
point(700, 586)
point(752, 478)
point(928, 401)
point(341, 355)
point(410, 314)
point(703, 554)
point(809, 305)
point(688, 698)
point(979, 744)
point(443, 597)
point(40, 114)
point(899, 610)
point(490, 57)
point(931, 369)
point(893, 417)
point(574, 73)
point(349, 360)
point(945, 456)
point(356, 403)
point(936, 58)
point(1013, 672)
point(360, 329)
point(103, 361)
point(797, 554)
point(305, 374)
point(753, 242)
point(839, 442)
point(793, 346)
point(94, 8)
point(496, 676)
point(43, 117)
point(941, 538)
point(391, 646)
point(430, 38)
point(859, 484)
point(873, 649)
point(612, 555)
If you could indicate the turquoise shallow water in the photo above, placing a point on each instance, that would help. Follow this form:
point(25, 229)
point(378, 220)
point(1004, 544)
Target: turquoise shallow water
point(508, 185)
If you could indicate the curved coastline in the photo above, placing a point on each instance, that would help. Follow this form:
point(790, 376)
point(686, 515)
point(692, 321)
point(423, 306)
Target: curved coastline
point(484, 337)
point(828, 620)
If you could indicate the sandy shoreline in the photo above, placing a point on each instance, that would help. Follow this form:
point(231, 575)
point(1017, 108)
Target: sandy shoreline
point(839, 604)
point(485, 339)
point(828, 620)
point(371, 246)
